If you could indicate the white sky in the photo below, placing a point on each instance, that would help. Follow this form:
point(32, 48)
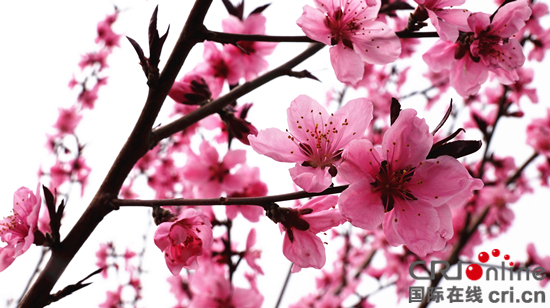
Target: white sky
point(42, 44)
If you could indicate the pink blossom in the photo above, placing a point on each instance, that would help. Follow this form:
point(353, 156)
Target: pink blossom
point(252, 59)
point(252, 187)
point(212, 289)
point(500, 215)
point(92, 58)
point(88, 97)
point(17, 230)
point(541, 45)
point(301, 245)
point(219, 66)
point(488, 46)
point(544, 172)
point(180, 289)
point(183, 240)
point(68, 120)
point(210, 176)
point(251, 255)
point(192, 89)
point(447, 22)
point(113, 299)
point(350, 27)
point(164, 178)
point(543, 262)
point(315, 139)
point(105, 33)
point(396, 184)
point(538, 134)
point(102, 254)
point(519, 88)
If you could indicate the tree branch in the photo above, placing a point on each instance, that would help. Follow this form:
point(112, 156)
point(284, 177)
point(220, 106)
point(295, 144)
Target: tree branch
point(233, 38)
point(261, 201)
point(133, 149)
point(216, 105)
point(518, 172)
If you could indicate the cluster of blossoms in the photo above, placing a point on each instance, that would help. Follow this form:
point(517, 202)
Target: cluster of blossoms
point(402, 185)
point(70, 165)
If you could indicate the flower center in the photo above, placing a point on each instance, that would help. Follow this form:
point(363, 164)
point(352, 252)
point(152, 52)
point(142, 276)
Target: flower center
point(344, 22)
point(322, 141)
point(392, 185)
point(218, 172)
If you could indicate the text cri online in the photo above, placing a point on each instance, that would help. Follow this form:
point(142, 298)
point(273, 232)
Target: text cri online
point(511, 297)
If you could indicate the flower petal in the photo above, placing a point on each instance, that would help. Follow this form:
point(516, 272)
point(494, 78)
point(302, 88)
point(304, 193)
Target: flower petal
point(313, 24)
point(311, 179)
point(377, 43)
point(347, 64)
point(359, 162)
point(306, 250)
point(274, 143)
point(357, 113)
point(361, 207)
point(440, 180)
point(408, 141)
point(417, 224)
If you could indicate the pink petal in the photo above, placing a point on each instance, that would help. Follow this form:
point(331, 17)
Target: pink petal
point(408, 141)
point(347, 64)
point(251, 212)
point(209, 153)
point(311, 179)
point(251, 239)
point(231, 211)
point(254, 24)
point(358, 113)
point(467, 76)
point(306, 250)
point(161, 236)
point(359, 162)
point(322, 221)
point(440, 56)
point(511, 55)
point(321, 203)
point(479, 22)
point(440, 180)
point(366, 10)
point(232, 24)
point(233, 158)
point(510, 18)
point(445, 223)
point(276, 144)
point(417, 224)
point(361, 207)
point(377, 44)
point(303, 115)
point(312, 23)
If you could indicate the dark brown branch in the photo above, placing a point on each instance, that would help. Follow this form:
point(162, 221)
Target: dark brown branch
point(135, 147)
point(233, 38)
point(216, 105)
point(261, 201)
point(518, 172)
point(284, 286)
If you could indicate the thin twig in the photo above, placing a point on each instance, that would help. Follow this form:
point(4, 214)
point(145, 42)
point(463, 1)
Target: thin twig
point(233, 38)
point(36, 271)
point(216, 105)
point(261, 201)
point(518, 172)
point(284, 286)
